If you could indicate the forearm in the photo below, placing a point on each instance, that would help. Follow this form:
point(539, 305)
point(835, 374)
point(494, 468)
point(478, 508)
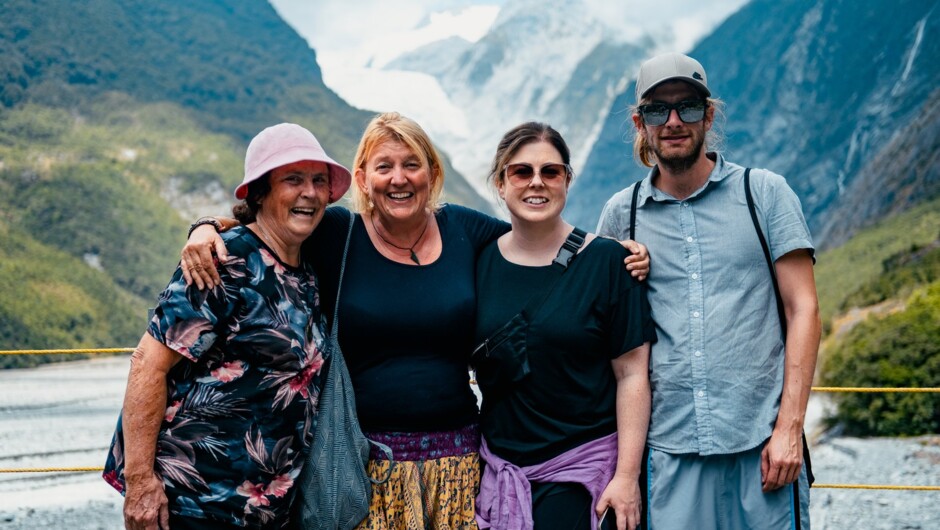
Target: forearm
point(803, 332)
point(143, 412)
point(633, 417)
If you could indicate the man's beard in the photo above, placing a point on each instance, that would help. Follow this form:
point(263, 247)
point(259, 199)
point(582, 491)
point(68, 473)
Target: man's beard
point(680, 163)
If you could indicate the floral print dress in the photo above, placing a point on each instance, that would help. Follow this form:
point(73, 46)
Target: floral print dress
point(240, 413)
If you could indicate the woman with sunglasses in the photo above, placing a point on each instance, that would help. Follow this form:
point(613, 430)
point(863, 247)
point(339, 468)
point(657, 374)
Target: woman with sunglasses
point(565, 414)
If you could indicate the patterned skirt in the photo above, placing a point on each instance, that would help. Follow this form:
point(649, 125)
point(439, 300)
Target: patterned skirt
point(434, 482)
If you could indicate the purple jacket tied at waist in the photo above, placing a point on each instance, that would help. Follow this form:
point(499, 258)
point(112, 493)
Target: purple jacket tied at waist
point(505, 499)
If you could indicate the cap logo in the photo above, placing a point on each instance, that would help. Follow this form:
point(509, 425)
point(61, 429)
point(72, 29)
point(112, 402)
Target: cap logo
point(696, 75)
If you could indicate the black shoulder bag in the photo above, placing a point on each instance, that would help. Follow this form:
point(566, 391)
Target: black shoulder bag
point(335, 488)
point(501, 359)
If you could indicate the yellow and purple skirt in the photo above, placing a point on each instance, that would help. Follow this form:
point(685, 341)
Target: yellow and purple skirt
point(434, 481)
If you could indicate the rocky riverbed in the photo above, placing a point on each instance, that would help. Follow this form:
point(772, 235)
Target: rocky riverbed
point(63, 415)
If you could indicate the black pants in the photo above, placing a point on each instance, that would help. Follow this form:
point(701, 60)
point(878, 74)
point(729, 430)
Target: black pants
point(564, 506)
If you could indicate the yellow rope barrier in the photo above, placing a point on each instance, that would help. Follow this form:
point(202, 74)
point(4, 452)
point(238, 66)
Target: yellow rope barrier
point(472, 381)
point(51, 469)
point(815, 486)
point(873, 389)
point(875, 487)
point(66, 352)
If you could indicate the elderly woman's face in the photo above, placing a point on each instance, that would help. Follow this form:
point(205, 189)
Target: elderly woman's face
point(397, 181)
point(299, 195)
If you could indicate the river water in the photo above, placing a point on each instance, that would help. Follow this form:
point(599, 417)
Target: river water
point(63, 415)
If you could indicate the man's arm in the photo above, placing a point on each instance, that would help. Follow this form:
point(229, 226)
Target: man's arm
point(782, 457)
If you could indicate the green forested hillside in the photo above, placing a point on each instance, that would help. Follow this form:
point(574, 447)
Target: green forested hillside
point(50, 299)
point(840, 272)
point(88, 237)
point(883, 286)
point(117, 117)
point(233, 63)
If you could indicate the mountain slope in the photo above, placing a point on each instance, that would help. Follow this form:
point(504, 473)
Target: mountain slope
point(120, 121)
point(815, 90)
point(235, 64)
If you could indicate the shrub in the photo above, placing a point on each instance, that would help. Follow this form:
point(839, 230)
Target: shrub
point(898, 350)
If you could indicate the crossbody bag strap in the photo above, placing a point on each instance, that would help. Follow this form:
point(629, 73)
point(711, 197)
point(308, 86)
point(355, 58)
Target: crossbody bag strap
point(334, 330)
point(567, 252)
point(334, 335)
point(780, 311)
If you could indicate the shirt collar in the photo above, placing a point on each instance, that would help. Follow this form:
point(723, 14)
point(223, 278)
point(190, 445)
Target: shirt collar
point(648, 191)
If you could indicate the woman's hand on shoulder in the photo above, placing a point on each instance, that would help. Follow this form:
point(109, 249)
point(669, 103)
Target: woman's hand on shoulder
point(196, 257)
point(638, 263)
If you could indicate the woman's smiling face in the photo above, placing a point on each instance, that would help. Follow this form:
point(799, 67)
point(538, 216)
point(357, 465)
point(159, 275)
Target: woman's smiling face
point(299, 195)
point(397, 181)
point(537, 198)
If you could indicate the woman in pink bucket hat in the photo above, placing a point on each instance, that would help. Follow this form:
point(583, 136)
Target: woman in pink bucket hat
point(223, 387)
point(406, 322)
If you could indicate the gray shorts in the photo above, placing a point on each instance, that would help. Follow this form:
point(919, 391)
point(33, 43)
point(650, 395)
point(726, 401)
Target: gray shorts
point(721, 492)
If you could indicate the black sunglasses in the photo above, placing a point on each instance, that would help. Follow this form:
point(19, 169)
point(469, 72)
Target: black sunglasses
point(690, 111)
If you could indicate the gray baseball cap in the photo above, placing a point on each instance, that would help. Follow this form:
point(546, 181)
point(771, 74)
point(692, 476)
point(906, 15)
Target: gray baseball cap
point(669, 67)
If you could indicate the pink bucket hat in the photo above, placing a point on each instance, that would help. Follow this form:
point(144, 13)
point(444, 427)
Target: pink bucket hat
point(286, 143)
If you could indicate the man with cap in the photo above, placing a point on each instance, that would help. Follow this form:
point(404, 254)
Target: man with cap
point(732, 370)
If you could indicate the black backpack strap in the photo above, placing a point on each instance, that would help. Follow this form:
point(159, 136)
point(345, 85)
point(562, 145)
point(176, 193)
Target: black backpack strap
point(780, 311)
point(636, 194)
point(763, 244)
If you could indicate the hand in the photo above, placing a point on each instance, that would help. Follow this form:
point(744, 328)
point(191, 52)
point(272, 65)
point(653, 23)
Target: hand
point(781, 460)
point(196, 257)
point(623, 496)
point(146, 506)
point(638, 263)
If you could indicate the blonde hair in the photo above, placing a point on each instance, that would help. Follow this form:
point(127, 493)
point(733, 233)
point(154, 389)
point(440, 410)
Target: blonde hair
point(393, 127)
point(644, 154)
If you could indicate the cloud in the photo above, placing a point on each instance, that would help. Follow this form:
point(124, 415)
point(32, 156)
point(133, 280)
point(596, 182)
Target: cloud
point(676, 25)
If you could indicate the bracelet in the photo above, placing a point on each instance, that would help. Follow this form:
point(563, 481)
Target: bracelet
point(204, 221)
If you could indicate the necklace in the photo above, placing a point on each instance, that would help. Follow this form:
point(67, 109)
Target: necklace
point(268, 240)
point(411, 249)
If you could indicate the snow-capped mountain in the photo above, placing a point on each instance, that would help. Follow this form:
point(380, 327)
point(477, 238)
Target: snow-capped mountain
point(546, 60)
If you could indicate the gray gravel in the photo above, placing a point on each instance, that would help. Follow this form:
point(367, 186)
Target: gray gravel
point(64, 414)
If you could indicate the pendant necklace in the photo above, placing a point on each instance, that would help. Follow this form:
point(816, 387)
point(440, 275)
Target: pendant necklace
point(411, 249)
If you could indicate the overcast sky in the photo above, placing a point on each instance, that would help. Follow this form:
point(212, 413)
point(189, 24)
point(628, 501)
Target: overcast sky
point(359, 31)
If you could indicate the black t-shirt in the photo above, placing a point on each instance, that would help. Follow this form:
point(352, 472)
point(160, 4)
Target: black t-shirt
point(406, 331)
point(596, 313)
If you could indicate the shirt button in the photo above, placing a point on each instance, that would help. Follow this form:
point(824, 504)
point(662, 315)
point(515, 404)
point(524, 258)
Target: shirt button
point(695, 314)
point(689, 239)
point(698, 353)
point(694, 276)
point(685, 204)
point(701, 393)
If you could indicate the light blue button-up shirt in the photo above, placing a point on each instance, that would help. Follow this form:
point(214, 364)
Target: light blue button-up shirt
point(717, 369)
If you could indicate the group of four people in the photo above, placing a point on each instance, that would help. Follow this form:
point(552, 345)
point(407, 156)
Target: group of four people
point(586, 424)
